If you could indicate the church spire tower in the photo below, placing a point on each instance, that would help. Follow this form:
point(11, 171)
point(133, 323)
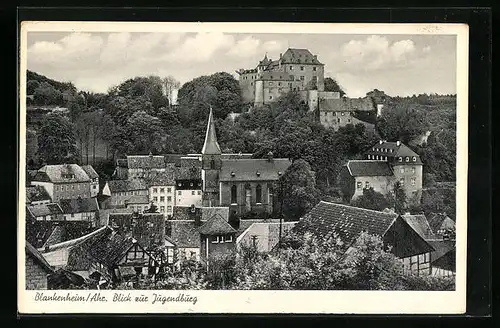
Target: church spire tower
point(211, 146)
point(211, 164)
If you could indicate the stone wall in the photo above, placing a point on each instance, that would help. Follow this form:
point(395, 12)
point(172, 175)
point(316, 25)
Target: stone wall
point(36, 276)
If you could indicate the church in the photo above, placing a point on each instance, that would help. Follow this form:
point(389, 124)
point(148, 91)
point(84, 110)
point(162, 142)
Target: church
point(248, 186)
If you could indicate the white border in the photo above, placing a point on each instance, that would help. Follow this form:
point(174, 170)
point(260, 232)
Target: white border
point(325, 302)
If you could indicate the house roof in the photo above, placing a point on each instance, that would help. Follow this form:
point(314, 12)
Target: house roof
point(211, 146)
point(147, 228)
point(38, 257)
point(145, 162)
point(216, 225)
point(348, 221)
point(439, 221)
point(442, 248)
point(184, 233)
point(208, 212)
point(420, 225)
point(138, 199)
point(44, 209)
point(366, 168)
point(253, 169)
point(90, 171)
point(80, 205)
point(166, 178)
point(36, 193)
point(299, 56)
point(186, 213)
point(392, 149)
point(38, 233)
point(126, 185)
point(188, 173)
point(63, 173)
point(122, 162)
point(188, 184)
point(55, 237)
point(344, 104)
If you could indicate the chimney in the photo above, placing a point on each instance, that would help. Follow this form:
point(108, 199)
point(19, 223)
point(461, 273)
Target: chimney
point(398, 143)
point(270, 156)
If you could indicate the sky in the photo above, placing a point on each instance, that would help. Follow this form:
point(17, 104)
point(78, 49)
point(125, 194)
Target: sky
point(400, 65)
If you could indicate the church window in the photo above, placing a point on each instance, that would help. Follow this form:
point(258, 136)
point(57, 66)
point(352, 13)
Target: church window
point(233, 194)
point(212, 164)
point(258, 194)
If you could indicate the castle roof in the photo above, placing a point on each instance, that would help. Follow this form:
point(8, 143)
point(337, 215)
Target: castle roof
point(211, 146)
point(367, 168)
point(299, 56)
point(253, 169)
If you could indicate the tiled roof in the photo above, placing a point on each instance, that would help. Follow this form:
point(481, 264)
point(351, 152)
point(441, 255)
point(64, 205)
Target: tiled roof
point(147, 228)
point(104, 214)
point(192, 184)
point(441, 248)
point(90, 171)
point(44, 209)
point(122, 162)
point(126, 185)
point(366, 168)
point(36, 193)
point(437, 220)
point(56, 237)
point(188, 173)
point(208, 212)
point(186, 213)
point(166, 178)
point(346, 104)
point(184, 233)
point(392, 149)
point(64, 173)
point(253, 169)
point(420, 225)
point(299, 56)
point(138, 199)
point(39, 232)
point(80, 205)
point(348, 221)
point(35, 254)
point(210, 146)
point(145, 162)
point(216, 225)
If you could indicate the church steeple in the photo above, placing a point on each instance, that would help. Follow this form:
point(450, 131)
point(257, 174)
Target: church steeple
point(211, 146)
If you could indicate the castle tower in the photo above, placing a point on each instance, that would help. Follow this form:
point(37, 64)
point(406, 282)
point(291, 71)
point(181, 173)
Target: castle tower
point(211, 165)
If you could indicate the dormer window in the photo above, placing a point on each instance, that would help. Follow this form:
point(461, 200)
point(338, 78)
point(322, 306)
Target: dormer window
point(407, 159)
point(414, 158)
point(232, 174)
point(279, 173)
point(400, 158)
point(258, 173)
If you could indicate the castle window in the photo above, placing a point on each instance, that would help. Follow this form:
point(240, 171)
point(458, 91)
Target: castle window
point(348, 120)
point(338, 120)
point(414, 158)
point(258, 194)
point(314, 68)
point(233, 194)
point(359, 185)
point(301, 68)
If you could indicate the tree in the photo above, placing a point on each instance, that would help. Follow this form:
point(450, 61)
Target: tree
point(46, 94)
point(400, 203)
point(331, 85)
point(371, 200)
point(56, 141)
point(170, 84)
point(402, 121)
point(297, 190)
point(144, 133)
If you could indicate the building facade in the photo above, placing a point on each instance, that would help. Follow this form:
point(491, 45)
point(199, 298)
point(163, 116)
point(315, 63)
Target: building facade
point(94, 180)
point(337, 112)
point(65, 181)
point(120, 191)
point(162, 191)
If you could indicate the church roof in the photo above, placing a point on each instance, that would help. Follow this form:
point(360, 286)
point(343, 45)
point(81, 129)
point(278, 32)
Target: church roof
point(211, 146)
point(253, 169)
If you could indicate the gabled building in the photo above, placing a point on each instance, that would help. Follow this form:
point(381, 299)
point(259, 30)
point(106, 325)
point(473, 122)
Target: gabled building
point(162, 190)
point(349, 222)
point(147, 228)
point(442, 225)
point(37, 269)
point(144, 166)
point(339, 112)
point(217, 237)
point(386, 163)
point(45, 212)
point(63, 181)
point(94, 180)
point(37, 195)
point(120, 191)
point(81, 209)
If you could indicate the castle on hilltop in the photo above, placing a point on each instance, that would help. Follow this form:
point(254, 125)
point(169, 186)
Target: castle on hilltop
point(295, 70)
point(300, 71)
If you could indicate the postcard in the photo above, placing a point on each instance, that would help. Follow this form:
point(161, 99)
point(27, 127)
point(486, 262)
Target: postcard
point(242, 168)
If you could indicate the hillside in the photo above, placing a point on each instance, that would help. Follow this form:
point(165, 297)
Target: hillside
point(44, 91)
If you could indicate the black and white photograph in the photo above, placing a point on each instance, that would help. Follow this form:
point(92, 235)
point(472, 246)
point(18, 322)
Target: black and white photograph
point(168, 163)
